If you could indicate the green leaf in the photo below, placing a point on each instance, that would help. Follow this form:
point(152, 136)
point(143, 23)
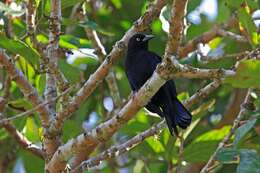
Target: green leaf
point(155, 144)
point(84, 60)
point(117, 3)
point(203, 146)
point(19, 47)
point(92, 25)
point(32, 163)
point(200, 151)
point(253, 4)
point(227, 155)
point(243, 130)
point(246, 21)
point(71, 73)
point(72, 42)
point(69, 3)
point(138, 166)
point(31, 130)
point(247, 75)
point(183, 96)
point(71, 129)
point(249, 162)
point(40, 81)
point(214, 135)
point(21, 103)
point(234, 3)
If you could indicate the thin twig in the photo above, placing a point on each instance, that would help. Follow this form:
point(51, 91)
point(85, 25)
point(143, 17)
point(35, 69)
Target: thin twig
point(35, 108)
point(101, 53)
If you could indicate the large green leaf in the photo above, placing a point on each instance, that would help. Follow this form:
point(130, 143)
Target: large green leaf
point(19, 47)
point(94, 26)
point(249, 162)
point(203, 146)
point(227, 155)
point(71, 73)
point(155, 144)
point(247, 75)
point(200, 151)
point(31, 130)
point(69, 3)
point(247, 22)
point(243, 130)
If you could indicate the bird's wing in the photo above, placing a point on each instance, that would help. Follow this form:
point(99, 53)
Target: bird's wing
point(131, 81)
point(154, 59)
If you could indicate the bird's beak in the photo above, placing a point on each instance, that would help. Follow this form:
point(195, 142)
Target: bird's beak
point(148, 37)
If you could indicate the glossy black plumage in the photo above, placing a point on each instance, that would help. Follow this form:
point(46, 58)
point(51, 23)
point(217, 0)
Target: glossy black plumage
point(139, 65)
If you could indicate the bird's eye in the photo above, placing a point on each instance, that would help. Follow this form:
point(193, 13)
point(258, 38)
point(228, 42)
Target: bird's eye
point(138, 39)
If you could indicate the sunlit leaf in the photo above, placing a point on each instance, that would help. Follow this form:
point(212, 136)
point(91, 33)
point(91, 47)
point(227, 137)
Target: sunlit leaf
point(19, 47)
point(247, 75)
point(155, 144)
point(138, 166)
point(203, 146)
point(31, 130)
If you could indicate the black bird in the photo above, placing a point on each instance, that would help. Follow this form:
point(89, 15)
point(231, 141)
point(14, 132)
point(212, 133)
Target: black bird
point(140, 64)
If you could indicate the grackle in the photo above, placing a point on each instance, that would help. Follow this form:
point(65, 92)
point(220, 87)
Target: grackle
point(139, 65)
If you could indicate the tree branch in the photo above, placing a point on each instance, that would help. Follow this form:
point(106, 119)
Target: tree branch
point(23, 141)
point(176, 26)
point(20, 138)
point(205, 37)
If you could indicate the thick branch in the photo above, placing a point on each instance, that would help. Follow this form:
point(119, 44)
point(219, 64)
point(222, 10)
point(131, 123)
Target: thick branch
point(176, 26)
point(52, 142)
point(170, 68)
point(23, 141)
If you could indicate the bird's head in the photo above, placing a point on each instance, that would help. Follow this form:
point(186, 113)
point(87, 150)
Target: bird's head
point(139, 41)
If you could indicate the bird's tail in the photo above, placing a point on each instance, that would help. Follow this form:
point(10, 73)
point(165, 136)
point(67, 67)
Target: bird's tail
point(178, 116)
point(183, 117)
